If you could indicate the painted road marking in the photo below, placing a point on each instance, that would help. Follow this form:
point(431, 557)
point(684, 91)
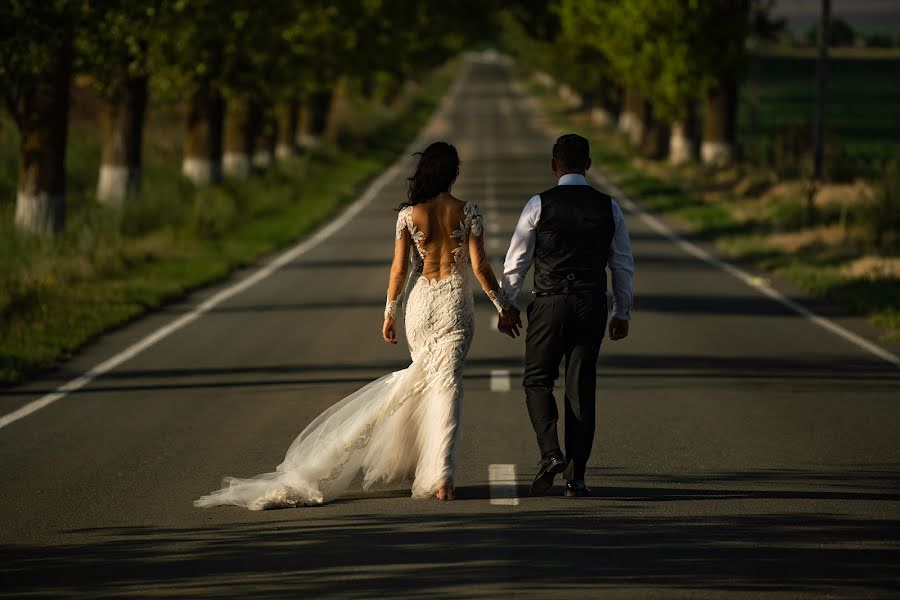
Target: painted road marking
point(503, 484)
point(541, 123)
point(500, 380)
point(260, 274)
point(755, 282)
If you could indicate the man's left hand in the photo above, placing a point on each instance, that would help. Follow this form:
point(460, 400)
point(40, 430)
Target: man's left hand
point(618, 329)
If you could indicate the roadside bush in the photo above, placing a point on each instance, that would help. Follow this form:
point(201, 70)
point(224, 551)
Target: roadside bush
point(215, 212)
point(881, 216)
point(792, 151)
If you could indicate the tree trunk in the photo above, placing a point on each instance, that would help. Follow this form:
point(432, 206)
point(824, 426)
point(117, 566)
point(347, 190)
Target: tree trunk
point(335, 118)
point(203, 142)
point(265, 139)
point(288, 122)
point(122, 127)
point(680, 150)
point(720, 114)
point(240, 129)
point(43, 118)
point(655, 141)
point(682, 147)
point(319, 112)
point(635, 116)
point(602, 117)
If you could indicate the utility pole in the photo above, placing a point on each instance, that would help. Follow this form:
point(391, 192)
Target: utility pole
point(819, 125)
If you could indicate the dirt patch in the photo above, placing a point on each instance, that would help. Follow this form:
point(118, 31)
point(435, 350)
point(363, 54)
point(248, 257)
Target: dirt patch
point(793, 241)
point(873, 267)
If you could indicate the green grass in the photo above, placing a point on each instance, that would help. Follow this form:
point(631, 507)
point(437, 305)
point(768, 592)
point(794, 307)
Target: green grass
point(107, 268)
point(862, 110)
point(816, 269)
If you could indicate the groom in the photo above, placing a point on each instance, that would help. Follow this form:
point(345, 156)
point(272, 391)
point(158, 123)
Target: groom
point(571, 233)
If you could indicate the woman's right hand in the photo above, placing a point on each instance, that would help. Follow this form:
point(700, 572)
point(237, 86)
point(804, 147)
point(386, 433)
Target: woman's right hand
point(389, 330)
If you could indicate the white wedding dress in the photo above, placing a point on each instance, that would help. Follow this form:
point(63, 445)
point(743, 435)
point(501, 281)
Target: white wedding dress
point(404, 426)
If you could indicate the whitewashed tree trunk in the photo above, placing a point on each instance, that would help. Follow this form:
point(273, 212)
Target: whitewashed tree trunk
point(544, 79)
point(717, 154)
point(569, 96)
point(262, 159)
point(236, 164)
point(718, 148)
point(42, 115)
point(288, 128)
point(202, 162)
point(122, 125)
point(626, 119)
point(602, 118)
point(637, 130)
point(680, 145)
point(240, 129)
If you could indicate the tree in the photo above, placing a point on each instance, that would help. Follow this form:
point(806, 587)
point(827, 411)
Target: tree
point(113, 49)
point(36, 58)
point(583, 64)
point(620, 31)
point(188, 66)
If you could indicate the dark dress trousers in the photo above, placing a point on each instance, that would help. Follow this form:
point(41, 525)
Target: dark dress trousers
point(567, 318)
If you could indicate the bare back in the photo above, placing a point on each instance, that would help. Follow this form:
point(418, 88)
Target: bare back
point(444, 232)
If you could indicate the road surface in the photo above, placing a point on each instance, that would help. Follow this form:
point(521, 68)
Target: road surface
point(741, 449)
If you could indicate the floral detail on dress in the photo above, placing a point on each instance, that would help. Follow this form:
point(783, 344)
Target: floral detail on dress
point(390, 308)
point(498, 299)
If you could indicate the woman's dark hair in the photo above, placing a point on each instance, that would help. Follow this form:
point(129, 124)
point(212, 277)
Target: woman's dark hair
point(438, 167)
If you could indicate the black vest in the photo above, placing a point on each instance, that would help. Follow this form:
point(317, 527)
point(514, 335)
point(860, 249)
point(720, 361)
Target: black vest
point(573, 237)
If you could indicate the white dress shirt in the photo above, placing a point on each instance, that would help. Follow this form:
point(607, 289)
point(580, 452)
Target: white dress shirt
point(521, 253)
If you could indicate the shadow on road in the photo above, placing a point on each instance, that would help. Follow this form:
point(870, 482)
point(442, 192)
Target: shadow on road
point(568, 547)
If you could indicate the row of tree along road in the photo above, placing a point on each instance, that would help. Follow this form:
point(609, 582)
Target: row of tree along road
point(667, 73)
point(256, 80)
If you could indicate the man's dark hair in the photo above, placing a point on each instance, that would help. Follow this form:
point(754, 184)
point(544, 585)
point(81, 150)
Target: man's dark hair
point(572, 152)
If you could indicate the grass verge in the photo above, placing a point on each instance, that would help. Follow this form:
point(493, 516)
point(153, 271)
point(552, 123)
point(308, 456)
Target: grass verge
point(747, 230)
point(108, 268)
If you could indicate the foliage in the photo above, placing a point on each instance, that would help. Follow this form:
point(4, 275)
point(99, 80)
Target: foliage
point(114, 39)
point(743, 228)
point(106, 268)
point(31, 34)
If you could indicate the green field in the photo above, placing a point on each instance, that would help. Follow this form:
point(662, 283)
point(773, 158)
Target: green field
point(862, 112)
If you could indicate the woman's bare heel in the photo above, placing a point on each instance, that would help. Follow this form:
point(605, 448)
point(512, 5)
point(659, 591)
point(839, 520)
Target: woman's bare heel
point(446, 492)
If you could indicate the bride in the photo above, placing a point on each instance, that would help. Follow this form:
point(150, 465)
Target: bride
point(404, 426)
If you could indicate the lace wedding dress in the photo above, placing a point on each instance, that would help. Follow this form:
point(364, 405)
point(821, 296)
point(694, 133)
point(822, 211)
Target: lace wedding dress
point(404, 426)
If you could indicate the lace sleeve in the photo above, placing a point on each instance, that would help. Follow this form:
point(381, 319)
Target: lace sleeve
point(399, 265)
point(476, 220)
point(480, 264)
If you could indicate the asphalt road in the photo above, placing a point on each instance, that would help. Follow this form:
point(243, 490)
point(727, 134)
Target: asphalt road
point(741, 450)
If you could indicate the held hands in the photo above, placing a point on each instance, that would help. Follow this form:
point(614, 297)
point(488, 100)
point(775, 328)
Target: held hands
point(510, 322)
point(618, 329)
point(389, 330)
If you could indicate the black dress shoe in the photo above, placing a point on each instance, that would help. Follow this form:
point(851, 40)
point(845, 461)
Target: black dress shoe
point(554, 463)
point(577, 489)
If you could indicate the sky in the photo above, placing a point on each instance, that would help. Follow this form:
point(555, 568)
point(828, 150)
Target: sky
point(864, 15)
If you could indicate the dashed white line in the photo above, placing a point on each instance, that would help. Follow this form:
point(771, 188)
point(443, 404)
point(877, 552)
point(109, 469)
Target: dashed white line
point(263, 272)
point(500, 380)
point(503, 484)
point(694, 250)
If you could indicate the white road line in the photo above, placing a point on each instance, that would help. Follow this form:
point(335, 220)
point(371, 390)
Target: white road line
point(696, 251)
point(262, 273)
point(500, 380)
point(503, 484)
point(757, 283)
